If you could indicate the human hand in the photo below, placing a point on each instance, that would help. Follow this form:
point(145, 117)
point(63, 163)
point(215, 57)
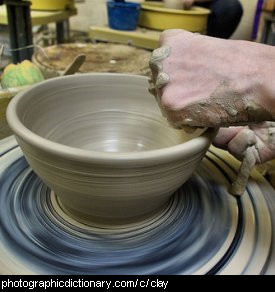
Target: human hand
point(260, 138)
point(187, 4)
point(178, 4)
point(201, 81)
point(208, 82)
point(253, 144)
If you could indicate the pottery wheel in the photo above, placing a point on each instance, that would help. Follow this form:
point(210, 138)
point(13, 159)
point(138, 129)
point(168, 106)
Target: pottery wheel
point(100, 57)
point(203, 230)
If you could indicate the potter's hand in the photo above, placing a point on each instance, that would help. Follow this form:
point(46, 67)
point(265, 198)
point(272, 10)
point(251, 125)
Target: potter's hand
point(252, 145)
point(209, 82)
point(260, 138)
point(188, 3)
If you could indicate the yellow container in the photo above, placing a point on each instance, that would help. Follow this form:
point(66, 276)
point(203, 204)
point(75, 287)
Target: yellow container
point(155, 16)
point(52, 4)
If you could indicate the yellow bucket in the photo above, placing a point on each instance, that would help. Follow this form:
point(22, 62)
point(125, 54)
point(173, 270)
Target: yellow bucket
point(52, 4)
point(155, 16)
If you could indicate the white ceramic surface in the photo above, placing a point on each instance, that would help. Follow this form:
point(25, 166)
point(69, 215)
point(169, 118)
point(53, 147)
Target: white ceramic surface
point(100, 143)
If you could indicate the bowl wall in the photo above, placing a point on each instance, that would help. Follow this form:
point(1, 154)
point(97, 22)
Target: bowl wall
point(100, 143)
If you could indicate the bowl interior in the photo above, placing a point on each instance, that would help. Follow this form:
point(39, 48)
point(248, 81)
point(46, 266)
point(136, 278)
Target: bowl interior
point(101, 112)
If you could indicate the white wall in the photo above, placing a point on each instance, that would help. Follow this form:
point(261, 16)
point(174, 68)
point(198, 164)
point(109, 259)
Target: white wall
point(90, 12)
point(245, 28)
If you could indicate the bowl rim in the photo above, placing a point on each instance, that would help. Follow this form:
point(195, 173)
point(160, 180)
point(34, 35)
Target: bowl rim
point(159, 156)
point(158, 7)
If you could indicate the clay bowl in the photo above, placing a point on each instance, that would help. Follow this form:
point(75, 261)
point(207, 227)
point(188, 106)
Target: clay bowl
point(101, 144)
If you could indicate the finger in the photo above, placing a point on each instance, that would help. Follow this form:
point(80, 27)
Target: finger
point(239, 185)
point(187, 4)
point(225, 135)
point(158, 78)
point(239, 144)
point(155, 62)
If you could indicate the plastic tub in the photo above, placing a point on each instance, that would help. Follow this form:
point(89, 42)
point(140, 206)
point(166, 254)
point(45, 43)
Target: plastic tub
point(123, 15)
point(52, 4)
point(155, 16)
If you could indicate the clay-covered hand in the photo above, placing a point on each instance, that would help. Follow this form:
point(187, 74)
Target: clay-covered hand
point(253, 144)
point(259, 138)
point(208, 82)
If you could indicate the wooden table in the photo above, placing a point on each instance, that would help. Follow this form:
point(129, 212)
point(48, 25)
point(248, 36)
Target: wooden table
point(141, 37)
point(41, 17)
point(60, 17)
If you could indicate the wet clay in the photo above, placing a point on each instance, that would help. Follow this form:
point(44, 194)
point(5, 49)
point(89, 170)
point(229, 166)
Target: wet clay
point(101, 144)
point(225, 107)
point(244, 147)
point(156, 69)
point(157, 75)
point(231, 109)
point(239, 185)
point(160, 79)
